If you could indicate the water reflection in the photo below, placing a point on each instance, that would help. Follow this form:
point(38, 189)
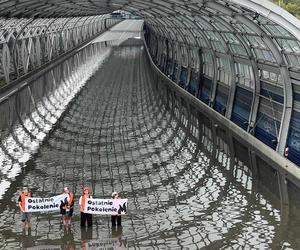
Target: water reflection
point(116, 241)
point(184, 189)
point(86, 234)
point(27, 239)
point(68, 239)
point(28, 115)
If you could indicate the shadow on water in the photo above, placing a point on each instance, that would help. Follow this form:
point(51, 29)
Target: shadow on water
point(185, 188)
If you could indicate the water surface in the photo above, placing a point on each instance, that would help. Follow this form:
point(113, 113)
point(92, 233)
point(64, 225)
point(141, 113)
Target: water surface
point(118, 135)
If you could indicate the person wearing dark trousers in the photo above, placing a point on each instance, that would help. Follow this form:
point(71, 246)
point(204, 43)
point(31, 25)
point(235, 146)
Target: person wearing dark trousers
point(85, 217)
point(116, 219)
point(67, 207)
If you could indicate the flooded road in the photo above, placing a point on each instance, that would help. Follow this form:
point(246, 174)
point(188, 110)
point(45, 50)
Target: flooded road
point(117, 135)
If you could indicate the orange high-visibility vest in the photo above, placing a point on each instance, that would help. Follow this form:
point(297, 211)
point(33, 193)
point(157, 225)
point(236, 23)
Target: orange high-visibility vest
point(83, 203)
point(69, 200)
point(23, 196)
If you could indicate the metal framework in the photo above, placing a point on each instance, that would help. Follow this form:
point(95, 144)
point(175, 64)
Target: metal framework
point(241, 57)
point(26, 44)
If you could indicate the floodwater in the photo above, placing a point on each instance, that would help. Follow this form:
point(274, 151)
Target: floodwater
point(117, 135)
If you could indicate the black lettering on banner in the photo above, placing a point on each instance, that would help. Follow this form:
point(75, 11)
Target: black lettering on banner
point(40, 200)
point(106, 207)
point(41, 207)
point(102, 209)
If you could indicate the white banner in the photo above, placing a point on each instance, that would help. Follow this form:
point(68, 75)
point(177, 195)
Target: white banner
point(33, 204)
point(106, 206)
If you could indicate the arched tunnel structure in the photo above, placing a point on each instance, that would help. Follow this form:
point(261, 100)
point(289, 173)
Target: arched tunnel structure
point(193, 113)
point(245, 54)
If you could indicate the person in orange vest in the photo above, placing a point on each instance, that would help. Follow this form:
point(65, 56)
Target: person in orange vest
point(84, 217)
point(25, 216)
point(67, 207)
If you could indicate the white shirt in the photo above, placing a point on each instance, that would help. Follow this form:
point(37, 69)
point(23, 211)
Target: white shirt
point(80, 199)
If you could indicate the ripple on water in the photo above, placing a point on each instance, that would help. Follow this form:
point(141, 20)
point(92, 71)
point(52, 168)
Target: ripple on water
point(181, 197)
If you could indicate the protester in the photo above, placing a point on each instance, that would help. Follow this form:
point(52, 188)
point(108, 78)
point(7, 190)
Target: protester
point(67, 207)
point(25, 216)
point(85, 217)
point(116, 218)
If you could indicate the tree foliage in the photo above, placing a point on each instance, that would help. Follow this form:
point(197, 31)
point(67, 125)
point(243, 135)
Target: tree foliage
point(292, 6)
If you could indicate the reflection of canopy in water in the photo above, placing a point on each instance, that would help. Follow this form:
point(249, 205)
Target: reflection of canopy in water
point(249, 52)
point(119, 135)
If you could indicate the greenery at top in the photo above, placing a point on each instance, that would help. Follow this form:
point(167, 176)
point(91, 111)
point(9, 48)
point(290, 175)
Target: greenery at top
point(292, 6)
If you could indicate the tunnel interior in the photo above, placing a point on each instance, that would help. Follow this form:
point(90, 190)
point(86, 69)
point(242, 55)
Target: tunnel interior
point(239, 57)
point(119, 133)
point(102, 110)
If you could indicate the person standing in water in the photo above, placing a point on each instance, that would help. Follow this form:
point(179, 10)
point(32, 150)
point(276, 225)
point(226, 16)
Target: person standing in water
point(67, 207)
point(116, 219)
point(85, 217)
point(25, 216)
